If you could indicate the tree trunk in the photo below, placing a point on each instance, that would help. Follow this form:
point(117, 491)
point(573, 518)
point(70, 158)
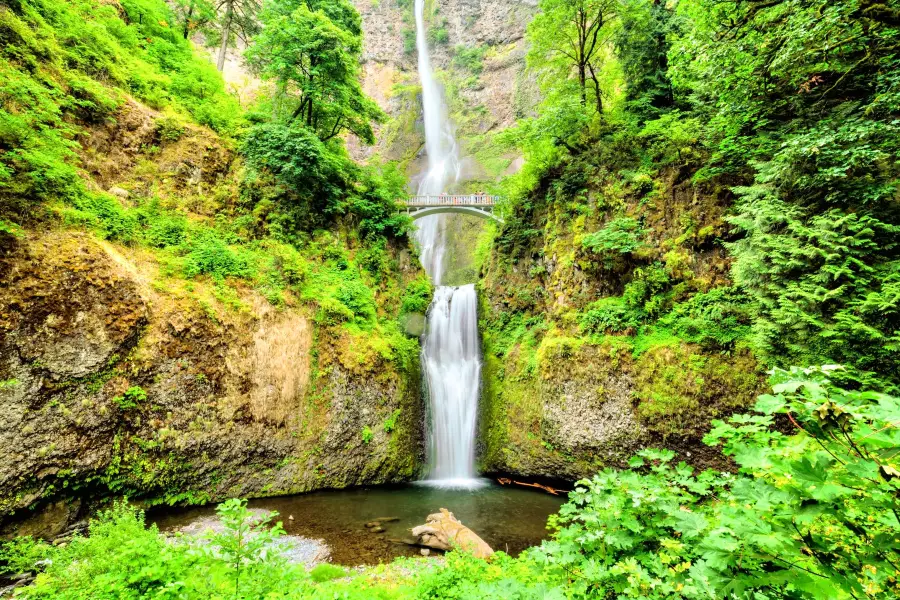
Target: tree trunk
point(187, 21)
point(582, 79)
point(226, 34)
point(597, 90)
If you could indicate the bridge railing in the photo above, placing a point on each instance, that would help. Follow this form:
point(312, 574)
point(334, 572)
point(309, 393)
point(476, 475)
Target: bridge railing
point(453, 200)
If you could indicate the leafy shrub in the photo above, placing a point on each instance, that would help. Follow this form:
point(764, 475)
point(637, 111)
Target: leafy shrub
point(211, 256)
point(367, 435)
point(609, 314)
point(246, 539)
point(332, 311)
point(618, 237)
point(123, 558)
point(391, 422)
point(358, 298)
point(716, 319)
point(106, 214)
point(409, 40)
point(169, 129)
point(292, 155)
point(326, 572)
point(642, 298)
point(644, 293)
point(438, 34)
point(417, 297)
point(132, 398)
point(469, 58)
point(798, 520)
point(166, 230)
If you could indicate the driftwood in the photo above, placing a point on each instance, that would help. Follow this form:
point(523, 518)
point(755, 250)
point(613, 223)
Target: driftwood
point(549, 490)
point(443, 531)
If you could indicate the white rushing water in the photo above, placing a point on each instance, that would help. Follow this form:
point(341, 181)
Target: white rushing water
point(451, 358)
point(444, 166)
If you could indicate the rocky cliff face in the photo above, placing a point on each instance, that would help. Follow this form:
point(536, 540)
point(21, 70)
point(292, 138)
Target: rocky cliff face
point(111, 387)
point(481, 102)
point(118, 377)
point(563, 401)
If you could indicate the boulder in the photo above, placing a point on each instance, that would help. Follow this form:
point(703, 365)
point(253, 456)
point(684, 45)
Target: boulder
point(120, 193)
point(443, 531)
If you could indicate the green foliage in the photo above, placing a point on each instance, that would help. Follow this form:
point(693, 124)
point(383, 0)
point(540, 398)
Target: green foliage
point(326, 572)
point(469, 58)
point(809, 514)
point(70, 63)
point(620, 236)
point(246, 539)
point(312, 50)
point(131, 399)
point(193, 15)
point(106, 215)
point(801, 101)
point(564, 46)
point(816, 280)
point(358, 298)
point(610, 314)
point(8, 383)
point(169, 129)
point(643, 42)
point(417, 297)
point(124, 559)
point(391, 422)
point(438, 34)
point(320, 182)
point(717, 319)
point(409, 40)
point(209, 255)
point(166, 230)
point(367, 435)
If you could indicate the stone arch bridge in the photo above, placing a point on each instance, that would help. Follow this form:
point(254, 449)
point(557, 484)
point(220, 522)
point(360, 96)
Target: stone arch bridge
point(479, 205)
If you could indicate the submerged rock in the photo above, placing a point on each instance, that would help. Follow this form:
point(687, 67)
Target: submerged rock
point(443, 531)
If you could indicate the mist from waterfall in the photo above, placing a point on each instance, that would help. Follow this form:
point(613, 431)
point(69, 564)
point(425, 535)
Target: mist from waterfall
point(451, 357)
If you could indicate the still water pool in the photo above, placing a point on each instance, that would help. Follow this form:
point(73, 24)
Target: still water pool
point(509, 518)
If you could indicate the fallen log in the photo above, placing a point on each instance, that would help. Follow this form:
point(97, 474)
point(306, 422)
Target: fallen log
point(549, 490)
point(443, 531)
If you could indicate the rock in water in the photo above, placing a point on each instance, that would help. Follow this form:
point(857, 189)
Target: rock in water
point(443, 531)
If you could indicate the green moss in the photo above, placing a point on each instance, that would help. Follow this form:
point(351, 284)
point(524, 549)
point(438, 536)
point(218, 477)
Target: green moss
point(680, 390)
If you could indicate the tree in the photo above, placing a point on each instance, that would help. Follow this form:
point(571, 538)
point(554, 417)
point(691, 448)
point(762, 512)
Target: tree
point(193, 14)
point(238, 16)
point(571, 35)
point(802, 100)
point(311, 50)
point(642, 46)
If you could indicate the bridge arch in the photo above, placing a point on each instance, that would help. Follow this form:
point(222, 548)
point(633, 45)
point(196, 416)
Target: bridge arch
point(484, 213)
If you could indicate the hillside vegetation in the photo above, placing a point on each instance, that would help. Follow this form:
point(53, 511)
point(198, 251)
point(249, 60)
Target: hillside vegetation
point(709, 195)
point(176, 264)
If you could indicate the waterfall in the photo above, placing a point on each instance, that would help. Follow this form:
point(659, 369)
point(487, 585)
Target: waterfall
point(451, 358)
point(442, 151)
